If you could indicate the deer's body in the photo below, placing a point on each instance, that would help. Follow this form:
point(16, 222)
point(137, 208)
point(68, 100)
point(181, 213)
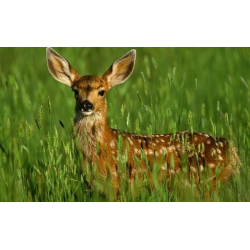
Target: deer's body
point(99, 143)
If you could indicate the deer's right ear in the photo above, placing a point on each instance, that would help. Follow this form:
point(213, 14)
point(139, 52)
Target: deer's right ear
point(60, 68)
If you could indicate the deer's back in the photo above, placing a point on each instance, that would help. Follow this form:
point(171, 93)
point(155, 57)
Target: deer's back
point(197, 152)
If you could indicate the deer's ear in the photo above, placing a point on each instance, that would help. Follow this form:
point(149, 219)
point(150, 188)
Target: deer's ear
point(60, 68)
point(121, 69)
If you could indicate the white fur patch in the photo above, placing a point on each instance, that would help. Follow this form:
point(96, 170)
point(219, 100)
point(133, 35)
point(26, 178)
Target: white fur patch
point(112, 144)
point(156, 153)
point(171, 149)
point(201, 167)
point(218, 151)
point(130, 141)
point(211, 165)
point(150, 151)
point(137, 151)
point(193, 169)
point(164, 168)
point(220, 158)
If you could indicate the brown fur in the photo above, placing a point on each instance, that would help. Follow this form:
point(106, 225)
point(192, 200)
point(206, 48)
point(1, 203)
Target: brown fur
point(198, 152)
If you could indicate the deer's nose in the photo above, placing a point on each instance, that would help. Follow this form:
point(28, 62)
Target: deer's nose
point(87, 106)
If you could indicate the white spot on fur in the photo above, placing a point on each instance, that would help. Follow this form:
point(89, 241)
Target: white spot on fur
point(211, 165)
point(208, 142)
point(196, 138)
point(172, 171)
point(221, 144)
point(150, 152)
point(171, 149)
point(220, 158)
point(193, 169)
point(137, 151)
point(164, 167)
point(201, 167)
point(218, 151)
point(112, 144)
point(206, 135)
point(115, 174)
point(130, 141)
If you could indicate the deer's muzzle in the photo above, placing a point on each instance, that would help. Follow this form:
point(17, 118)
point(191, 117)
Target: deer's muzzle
point(87, 107)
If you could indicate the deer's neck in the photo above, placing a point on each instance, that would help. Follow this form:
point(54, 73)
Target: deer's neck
point(89, 134)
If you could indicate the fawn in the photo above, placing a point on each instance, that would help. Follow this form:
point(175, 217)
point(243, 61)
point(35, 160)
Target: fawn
point(99, 143)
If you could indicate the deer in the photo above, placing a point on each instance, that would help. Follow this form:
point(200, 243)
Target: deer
point(99, 144)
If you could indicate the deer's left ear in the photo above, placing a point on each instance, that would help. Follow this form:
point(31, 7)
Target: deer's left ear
point(121, 69)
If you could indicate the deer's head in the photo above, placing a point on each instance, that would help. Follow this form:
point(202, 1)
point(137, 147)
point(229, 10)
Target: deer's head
point(90, 91)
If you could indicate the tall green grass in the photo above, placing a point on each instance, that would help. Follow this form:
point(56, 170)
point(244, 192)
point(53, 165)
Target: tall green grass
point(171, 89)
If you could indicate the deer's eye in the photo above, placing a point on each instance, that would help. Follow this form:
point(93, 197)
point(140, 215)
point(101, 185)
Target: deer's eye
point(101, 93)
point(76, 92)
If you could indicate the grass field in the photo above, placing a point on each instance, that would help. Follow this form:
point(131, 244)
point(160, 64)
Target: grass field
point(171, 89)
